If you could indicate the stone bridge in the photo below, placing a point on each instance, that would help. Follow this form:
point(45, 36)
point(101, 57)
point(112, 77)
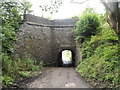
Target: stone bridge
point(45, 39)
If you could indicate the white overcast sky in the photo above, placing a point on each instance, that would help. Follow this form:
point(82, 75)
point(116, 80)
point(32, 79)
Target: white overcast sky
point(68, 9)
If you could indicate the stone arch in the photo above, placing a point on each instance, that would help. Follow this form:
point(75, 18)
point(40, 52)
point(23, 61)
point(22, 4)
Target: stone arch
point(60, 62)
point(45, 39)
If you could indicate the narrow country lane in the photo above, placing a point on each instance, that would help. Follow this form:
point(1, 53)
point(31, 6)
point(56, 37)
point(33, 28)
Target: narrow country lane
point(59, 78)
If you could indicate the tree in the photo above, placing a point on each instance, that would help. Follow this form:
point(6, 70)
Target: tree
point(12, 14)
point(14, 10)
point(113, 12)
point(87, 25)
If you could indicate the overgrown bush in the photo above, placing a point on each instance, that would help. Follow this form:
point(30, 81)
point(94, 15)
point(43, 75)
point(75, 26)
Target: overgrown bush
point(103, 65)
point(12, 18)
point(16, 68)
point(87, 25)
point(100, 53)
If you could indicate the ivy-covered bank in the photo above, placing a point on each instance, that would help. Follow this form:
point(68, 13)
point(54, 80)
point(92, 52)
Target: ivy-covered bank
point(100, 50)
point(14, 67)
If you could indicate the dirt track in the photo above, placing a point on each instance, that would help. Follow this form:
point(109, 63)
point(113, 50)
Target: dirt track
point(59, 78)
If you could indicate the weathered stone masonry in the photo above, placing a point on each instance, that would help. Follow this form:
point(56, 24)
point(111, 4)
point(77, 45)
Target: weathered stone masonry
point(45, 39)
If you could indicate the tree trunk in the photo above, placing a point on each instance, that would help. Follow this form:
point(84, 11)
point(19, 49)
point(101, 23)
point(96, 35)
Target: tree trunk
point(112, 8)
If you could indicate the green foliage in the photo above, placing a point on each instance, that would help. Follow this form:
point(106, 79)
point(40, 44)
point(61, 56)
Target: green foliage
point(12, 17)
point(67, 54)
point(100, 58)
point(100, 50)
point(41, 64)
point(75, 17)
point(102, 65)
point(26, 7)
point(28, 63)
point(12, 14)
point(9, 66)
point(24, 73)
point(8, 39)
point(87, 25)
point(105, 36)
point(15, 68)
point(7, 80)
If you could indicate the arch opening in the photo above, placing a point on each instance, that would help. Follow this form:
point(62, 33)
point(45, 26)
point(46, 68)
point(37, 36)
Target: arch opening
point(66, 58)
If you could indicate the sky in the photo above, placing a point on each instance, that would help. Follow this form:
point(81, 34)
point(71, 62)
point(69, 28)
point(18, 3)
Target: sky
point(68, 9)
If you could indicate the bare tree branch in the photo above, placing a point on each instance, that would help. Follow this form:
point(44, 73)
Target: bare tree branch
point(79, 2)
point(106, 6)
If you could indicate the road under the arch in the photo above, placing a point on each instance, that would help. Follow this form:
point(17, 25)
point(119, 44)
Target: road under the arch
point(59, 77)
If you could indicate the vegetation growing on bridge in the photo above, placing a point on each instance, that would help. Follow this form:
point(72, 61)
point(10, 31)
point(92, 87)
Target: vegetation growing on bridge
point(99, 50)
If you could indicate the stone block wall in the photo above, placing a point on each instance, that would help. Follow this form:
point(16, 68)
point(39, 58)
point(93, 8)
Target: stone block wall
point(44, 39)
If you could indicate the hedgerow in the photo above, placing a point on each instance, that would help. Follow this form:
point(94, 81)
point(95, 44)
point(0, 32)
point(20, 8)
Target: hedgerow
point(100, 64)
